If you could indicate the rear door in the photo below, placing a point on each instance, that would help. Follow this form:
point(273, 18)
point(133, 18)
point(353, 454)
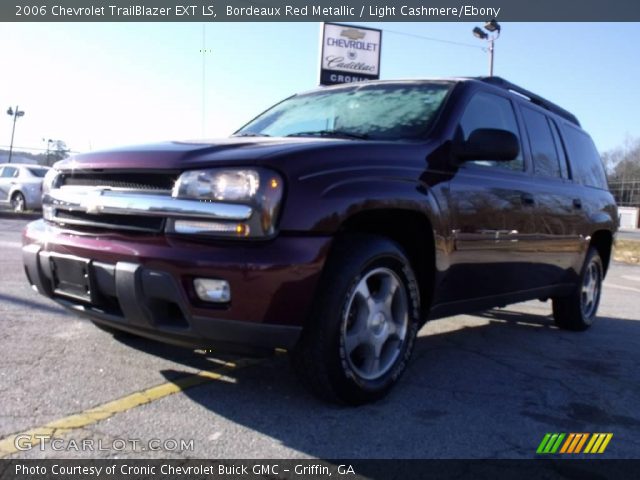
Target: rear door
point(558, 206)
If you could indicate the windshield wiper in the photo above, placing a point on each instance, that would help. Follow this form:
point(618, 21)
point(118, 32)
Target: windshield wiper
point(330, 133)
point(250, 134)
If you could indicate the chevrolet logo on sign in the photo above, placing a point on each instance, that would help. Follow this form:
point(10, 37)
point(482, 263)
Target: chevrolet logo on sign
point(352, 34)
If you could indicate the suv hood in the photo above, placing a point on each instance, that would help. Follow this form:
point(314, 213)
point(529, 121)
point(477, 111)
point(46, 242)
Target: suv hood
point(197, 154)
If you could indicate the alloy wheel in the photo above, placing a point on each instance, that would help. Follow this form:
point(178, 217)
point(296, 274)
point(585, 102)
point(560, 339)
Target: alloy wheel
point(590, 290)
point(17, 203)
point(375, 323)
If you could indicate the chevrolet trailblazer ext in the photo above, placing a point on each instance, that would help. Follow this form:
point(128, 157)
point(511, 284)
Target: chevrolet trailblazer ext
point(334, 225)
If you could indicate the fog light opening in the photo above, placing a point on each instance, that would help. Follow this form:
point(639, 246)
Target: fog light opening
point(212, 290)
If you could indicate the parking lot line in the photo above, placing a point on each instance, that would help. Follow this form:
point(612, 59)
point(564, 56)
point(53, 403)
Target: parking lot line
point(9, 244)
point(622, 287)
point(62, 426)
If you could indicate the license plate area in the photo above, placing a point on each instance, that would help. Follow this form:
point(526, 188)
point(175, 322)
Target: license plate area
point(71, 277)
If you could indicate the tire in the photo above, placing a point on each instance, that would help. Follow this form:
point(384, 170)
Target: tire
point(361, 333)
point(577, 311)
point(18, 203)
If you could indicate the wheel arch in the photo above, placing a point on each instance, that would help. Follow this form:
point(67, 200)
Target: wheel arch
point(412, 231)
point(602, 241)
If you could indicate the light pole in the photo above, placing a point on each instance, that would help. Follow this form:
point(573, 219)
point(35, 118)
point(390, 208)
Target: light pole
point(493, 28)
point(15, 114)
point(49, 142)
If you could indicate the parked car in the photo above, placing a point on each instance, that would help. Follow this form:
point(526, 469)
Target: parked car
point(21, 186)
point(334, 225)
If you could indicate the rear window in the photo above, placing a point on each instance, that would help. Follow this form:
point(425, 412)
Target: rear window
point(38, 172)
point(584, 159)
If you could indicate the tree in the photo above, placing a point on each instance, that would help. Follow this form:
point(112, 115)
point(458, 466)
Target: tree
point(57, 150)
point(623, 163)
point(623, 168)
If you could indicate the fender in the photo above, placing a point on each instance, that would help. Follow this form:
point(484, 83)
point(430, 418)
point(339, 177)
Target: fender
point(604, 220)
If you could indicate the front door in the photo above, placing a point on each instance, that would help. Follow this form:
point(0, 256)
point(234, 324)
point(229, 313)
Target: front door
point(7, 175)
point(492, 212)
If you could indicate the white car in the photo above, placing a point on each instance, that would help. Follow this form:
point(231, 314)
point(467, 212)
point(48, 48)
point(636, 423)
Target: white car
point(21, 186)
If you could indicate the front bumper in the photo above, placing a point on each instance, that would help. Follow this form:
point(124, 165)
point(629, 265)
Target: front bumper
point(144, 284)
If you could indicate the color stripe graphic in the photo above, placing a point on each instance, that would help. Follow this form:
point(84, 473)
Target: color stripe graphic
point(574, 443)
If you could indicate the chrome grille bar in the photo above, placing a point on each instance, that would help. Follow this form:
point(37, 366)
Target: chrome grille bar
point(97, 201)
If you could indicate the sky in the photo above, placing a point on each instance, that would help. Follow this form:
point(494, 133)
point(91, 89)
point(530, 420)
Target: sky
point(102, 85)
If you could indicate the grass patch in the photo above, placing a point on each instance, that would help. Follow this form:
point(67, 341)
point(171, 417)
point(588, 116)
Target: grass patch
point(627, 251)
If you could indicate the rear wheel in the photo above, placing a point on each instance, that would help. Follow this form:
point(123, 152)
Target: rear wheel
point(359, 339)
point(18, 203)
point(578, 310)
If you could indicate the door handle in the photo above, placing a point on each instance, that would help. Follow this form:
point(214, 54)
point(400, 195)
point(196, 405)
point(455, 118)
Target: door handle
point(577, 203)
point(527, 199)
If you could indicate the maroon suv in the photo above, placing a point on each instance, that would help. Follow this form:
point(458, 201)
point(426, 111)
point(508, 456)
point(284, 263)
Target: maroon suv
point(334, 225)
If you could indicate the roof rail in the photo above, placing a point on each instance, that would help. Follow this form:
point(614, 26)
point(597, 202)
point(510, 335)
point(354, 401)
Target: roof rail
point(538, 100)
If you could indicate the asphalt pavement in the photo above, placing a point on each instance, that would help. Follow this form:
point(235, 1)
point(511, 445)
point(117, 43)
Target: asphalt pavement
point(489, 385)
point(629, 234)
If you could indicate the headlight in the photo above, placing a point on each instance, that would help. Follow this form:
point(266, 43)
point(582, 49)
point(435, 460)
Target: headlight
point(259, 188)
point(49, 181)
point(224, 185)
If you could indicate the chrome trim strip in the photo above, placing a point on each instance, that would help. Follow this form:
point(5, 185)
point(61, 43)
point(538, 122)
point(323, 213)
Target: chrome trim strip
point(84, 188)
point(98, 200)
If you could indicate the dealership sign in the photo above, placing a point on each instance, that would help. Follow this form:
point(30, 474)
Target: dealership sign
point(349, 54)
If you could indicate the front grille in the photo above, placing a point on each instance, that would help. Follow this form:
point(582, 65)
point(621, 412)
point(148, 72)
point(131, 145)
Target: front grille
point(110, 221)
point(129, 181)
point(132, 182)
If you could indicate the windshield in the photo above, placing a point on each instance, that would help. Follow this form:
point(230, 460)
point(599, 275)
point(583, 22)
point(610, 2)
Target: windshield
point(375, 111)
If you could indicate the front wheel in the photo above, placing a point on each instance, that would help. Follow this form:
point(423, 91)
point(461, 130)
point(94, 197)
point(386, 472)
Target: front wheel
point(18, 203)
point(359, 339)
point(578, 311)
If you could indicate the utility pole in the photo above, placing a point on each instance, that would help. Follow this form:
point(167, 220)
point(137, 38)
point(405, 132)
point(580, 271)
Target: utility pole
point(15, 114)
point(204, 77)
point(491, 57)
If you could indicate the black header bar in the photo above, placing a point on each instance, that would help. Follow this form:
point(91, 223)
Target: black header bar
point(319, 11)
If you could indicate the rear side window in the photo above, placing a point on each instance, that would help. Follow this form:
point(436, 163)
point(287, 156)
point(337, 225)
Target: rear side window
point(486, 110)
point(38, 172)
point(543, 147)
point(584, 159)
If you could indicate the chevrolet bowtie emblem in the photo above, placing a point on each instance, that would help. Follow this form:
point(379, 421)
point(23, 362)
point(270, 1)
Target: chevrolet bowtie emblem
point(352, 34)
point(91, 202)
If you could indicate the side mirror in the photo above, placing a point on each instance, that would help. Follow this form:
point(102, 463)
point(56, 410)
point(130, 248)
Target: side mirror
point(487, 144)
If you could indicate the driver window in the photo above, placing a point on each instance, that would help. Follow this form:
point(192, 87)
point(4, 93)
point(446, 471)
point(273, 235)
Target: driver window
point(486, 110)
